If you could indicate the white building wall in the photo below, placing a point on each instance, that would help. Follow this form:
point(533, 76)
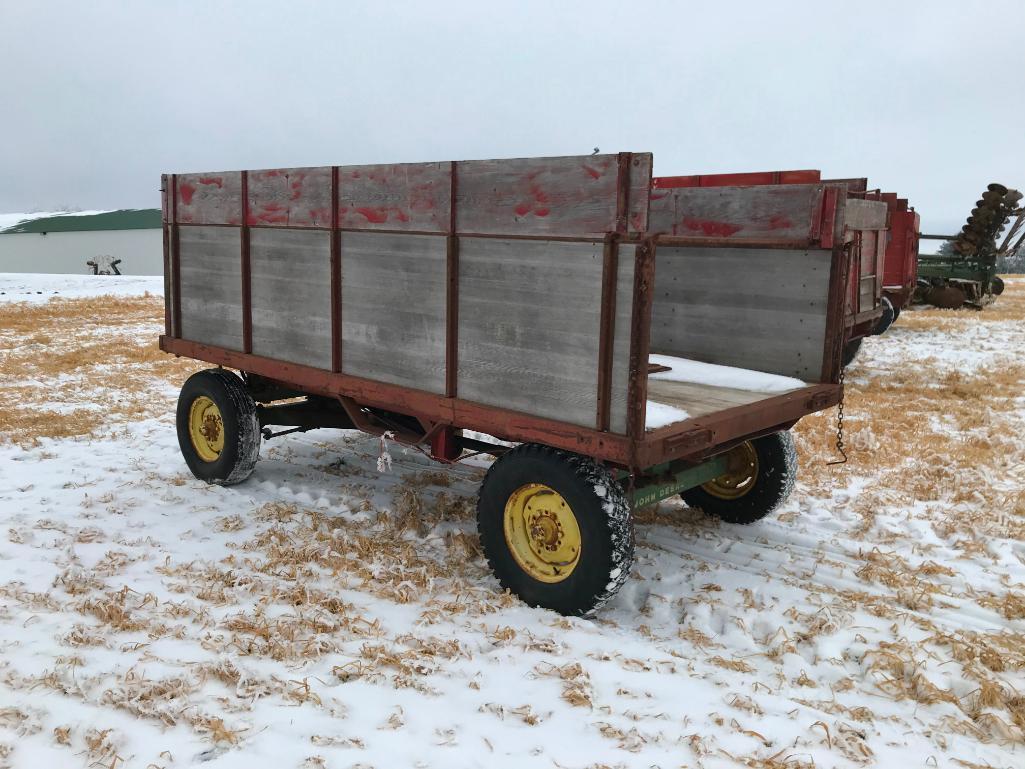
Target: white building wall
point(141, 251)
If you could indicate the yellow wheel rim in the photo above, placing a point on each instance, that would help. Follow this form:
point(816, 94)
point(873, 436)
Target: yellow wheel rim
point(542, 532)
point(740, 476)
point(206, 428)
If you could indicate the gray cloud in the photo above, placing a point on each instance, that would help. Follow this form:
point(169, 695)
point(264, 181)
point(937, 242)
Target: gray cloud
point(101, 97)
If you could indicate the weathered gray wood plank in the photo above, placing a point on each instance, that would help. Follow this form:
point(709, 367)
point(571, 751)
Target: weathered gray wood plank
point(210, 198)
point(291, 283)
point(393, 308)
point(566, 196)
point(396, 196)
point(529, 317)
point(783, 211)
point(211, 285)
point(761, 309)
point(699, 400)
point(294, 197)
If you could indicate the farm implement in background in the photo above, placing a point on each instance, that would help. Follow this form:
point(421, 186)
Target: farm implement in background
point(967, 273)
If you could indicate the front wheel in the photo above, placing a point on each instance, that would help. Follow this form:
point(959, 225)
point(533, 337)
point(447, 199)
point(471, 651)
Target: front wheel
point(760, 474)
point(218, 429)
point(997, 286)
point(555, 528)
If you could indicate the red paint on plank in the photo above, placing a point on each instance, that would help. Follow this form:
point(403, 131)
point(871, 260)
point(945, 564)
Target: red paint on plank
point(215, 180)
point(542, 211)
point(187, 191)
point(522, 209)
point(374, 215)
point(401, 215)
point(594, 173)
point(780, 223)
point(711, 228)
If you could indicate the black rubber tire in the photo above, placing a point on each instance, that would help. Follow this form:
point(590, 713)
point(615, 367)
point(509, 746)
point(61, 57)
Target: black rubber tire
point(896, 313)
point(777, 473)
point(602, 513)
point(240, 423)
point(998, 285)
point(947, 297)
point(886, 319)
point(850, 351)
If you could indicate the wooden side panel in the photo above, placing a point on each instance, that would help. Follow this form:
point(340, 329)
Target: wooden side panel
point(529, 316)
point(865, 214)
point(214, 198)
point(621, 339)
point(294, 197)
point(567, 196)
point(291, 280)
point(786, 211)
point(211, 285)
point(393, 308)
point(401, 196)
point(761, 309)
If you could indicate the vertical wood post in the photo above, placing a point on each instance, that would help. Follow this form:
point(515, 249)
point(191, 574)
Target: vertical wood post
point(247, 276)
point(640, 339)
point(452, 291)
point(336, 277)
point(165, 210)
point(176, 262)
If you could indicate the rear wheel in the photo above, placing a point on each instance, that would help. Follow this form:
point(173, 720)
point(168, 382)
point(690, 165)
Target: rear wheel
point(997, 285)
point(850, 351)
point(555, 528)
point(760, 476)
point(886, 319)
point(218, 430)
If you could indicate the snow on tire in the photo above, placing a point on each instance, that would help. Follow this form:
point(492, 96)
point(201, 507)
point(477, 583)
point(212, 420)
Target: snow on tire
point(555, 528)
point(218, 428)
point(760, 477)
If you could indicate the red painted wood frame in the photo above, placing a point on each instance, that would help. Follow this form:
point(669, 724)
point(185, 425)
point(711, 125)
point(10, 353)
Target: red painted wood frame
point(637, 449)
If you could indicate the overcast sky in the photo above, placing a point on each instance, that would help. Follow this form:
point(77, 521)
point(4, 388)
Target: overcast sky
point(99, 98)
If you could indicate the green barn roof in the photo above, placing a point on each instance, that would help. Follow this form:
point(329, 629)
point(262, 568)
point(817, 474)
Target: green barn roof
point(128, 219)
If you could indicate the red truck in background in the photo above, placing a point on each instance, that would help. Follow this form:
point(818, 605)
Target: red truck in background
point(884, 268)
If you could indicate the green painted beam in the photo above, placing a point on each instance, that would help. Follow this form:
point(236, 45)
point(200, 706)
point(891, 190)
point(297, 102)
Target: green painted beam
point(688, 478)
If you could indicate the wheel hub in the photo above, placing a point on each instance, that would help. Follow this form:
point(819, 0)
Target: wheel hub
point(542, 533)
point(740, 476)
point(206, 428)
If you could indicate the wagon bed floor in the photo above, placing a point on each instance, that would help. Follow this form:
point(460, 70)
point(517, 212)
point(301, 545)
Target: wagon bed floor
point(679, 388)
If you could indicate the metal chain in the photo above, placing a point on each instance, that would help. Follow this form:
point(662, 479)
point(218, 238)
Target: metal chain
point(843, 371)
point(839, 424)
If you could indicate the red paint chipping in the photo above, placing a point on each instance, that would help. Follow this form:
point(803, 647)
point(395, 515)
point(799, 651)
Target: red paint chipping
point(522, 209)
point(401, 215)
point(780, 223)
point(297, 189)
point(374, 215)
point(542, 211)
point(594, 173)
point(215, 180)
point(711, 228)
point(186, 191)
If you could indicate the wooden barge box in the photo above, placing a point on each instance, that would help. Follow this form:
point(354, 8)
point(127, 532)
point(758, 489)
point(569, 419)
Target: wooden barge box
point(560, 302)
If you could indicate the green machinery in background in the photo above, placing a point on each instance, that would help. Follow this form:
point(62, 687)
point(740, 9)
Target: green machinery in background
point(967, 273)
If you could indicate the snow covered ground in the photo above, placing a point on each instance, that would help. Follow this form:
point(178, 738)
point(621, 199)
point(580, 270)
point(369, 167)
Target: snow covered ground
point(324, 614)
point(29, 287)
